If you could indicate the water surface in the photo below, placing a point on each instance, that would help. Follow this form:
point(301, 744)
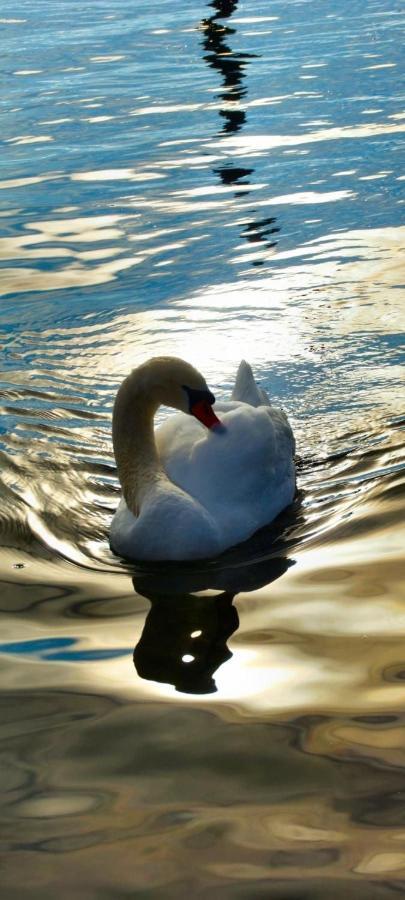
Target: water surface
point(211, 180)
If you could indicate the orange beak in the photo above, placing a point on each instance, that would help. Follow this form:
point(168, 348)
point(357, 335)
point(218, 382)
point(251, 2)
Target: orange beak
point(205, 413)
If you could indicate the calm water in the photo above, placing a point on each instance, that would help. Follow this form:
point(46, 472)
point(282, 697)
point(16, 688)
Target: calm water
point(210, 181)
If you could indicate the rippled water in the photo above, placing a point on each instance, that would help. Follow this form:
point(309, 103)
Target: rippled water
point(208, 180)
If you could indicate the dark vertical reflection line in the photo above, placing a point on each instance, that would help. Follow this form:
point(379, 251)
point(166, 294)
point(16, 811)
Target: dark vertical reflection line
point(232, 68)
point(231, 65)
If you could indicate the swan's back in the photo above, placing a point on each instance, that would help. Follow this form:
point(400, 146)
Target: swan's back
point(243, 475)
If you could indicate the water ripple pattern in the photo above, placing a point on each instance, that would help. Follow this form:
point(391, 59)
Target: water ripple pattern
point(209, 180)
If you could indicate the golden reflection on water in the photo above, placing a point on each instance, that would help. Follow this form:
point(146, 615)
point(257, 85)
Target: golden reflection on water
point(318, 639)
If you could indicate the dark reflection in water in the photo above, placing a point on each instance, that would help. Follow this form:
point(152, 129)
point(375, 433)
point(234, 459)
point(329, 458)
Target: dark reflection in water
point(184, 638)
point(232, 67)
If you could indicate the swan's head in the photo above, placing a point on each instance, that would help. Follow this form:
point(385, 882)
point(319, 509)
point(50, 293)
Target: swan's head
point(173, 382)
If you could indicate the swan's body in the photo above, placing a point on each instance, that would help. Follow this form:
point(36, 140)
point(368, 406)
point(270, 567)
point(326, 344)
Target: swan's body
point(190, 491)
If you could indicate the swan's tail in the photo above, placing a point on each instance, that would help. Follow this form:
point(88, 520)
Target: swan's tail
point(246, 389)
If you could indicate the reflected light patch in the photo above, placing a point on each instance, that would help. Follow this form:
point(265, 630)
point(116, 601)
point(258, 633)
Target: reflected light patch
point(259, 143)
point(307, 197)
point(107, 59)
point(65, 549)
point(243, 676)
point(381, 863)
point(251, 20)
point(44, 806)
point(158, 110)
point(23, 182)
point(95, 119)
point(116, 175)
point(274, 319)
point(380, 66)
point(29, 139)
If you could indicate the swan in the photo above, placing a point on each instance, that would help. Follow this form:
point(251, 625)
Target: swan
point(198, 484)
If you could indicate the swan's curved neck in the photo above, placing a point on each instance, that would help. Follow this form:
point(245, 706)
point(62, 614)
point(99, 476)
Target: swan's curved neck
point(135, 450)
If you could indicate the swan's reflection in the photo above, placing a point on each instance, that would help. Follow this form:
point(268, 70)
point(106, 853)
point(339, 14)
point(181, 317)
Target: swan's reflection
point(184, 640)
point(232, 66)
point(184, 637)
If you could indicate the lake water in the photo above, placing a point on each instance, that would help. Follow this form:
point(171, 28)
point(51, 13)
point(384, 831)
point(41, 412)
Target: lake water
point(209, 181)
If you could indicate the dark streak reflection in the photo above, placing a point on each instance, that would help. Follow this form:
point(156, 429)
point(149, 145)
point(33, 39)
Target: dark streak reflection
point(184, 640)
point(232, 67)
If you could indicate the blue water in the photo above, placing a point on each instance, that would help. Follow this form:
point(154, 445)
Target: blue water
point(210, 181)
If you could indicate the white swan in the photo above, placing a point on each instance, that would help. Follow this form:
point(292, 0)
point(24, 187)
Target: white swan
point(197, 485)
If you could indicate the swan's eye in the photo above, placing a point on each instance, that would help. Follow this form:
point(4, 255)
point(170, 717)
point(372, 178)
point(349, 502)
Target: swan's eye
point(196, 396)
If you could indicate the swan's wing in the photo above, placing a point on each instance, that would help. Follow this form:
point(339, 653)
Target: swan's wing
point(265, 399)
point(243, 475)
point(246, 390)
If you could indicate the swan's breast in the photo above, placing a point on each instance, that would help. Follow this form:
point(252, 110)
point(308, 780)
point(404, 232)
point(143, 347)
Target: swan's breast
point(170, 526)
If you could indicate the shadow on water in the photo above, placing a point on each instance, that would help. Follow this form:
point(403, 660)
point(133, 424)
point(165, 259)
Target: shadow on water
point(184, 639)
point(232, 67)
